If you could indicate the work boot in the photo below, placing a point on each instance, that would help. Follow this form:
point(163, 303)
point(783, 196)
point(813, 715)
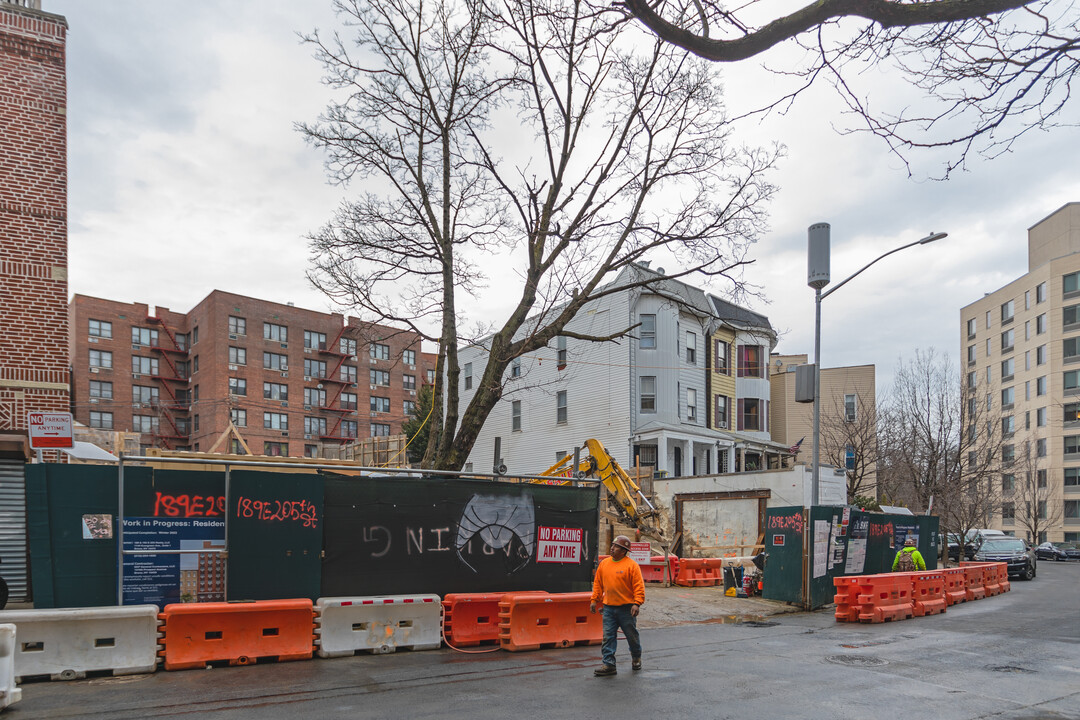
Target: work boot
point(605, 670)
point(636, 664)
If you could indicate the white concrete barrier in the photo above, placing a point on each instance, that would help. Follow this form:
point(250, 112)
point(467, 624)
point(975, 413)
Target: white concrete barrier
point(8, 692)
point(67, 644)
point(378, 625)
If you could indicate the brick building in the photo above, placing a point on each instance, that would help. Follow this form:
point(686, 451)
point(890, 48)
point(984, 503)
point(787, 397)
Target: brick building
point(33, 214)
point(291, 380)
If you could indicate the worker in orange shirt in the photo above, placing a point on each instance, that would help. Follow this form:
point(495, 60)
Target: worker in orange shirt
point(618, 587)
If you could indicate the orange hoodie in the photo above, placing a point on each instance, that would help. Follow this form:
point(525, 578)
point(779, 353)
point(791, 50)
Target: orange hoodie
point(618, 583)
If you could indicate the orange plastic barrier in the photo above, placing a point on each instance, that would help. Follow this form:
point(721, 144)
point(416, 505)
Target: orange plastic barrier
point(973, 580)
point(654, 571)
point(528, 621)
point(692, 573)
point(714, 571)
point(955, 585)
point(874, 598)
point(194, 634)
point(848, 590)
point(927, 593)
point(473, 618)
point(993, 574)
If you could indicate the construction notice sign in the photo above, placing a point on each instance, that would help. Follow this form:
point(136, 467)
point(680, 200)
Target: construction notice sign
point(49, 430)
point(641, 553)
point(559, 545)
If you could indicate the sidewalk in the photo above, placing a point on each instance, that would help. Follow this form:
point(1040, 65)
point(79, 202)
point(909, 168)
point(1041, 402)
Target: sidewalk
point(668, 606)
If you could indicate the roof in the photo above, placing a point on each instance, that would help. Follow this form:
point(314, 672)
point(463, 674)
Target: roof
point(739, 316)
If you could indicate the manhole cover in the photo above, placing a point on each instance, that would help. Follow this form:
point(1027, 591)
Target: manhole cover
point(857, 660)
point(1009, 669)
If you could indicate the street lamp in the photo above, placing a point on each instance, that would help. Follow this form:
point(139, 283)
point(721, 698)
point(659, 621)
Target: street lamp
point(817, 277)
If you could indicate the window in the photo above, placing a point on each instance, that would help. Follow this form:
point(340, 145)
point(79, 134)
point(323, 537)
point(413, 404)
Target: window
point(311, 451)
point(1072, 509)
point(430, 375)
point(1027, 299)
point(275, 421)
point(195, 422)
point(408, 382)
point(647, 395)
point(378, 351)
point(144, 423)
point(1040, 355)
point(144, 336)
point(1027, 390)
point(1008, 512)
point(195, 335)
point(143, 394)
point(972, 380)
point(239, 417)
point(1040, 417)
point(1027, 329)
point(1072, 444)
point(1008, 483)
point(1006, 312)
point(1040, 479)
point(989, 401)
point(276, 449)
point(1008, 427)
point(314, 368)
point(1040, 293)
point(315, 397)
point(379, 377)
point(102, 420)
point(691, 348)
point(1007, 367)
point(348, 401)
point(1008, 453)
point(1070, 316)
point(750, 417)
point(408, 407)
point(1027, 420)
point(143, 365)
point(237, 386)
point(348, 374)
point(515, 368)
point(277, 333)
point(379, 430)
point(348, 429)
point(971, 407)
point(647, 339)
point(380, 404)
point(750, 361)
point(314, 340)
point(971, 354)
point(515, 415)
point(560, 352)
point(720, 411)
point(971, 328)
point(987, 319)
point(1041, 509)
point(849, 408)
point(560, 407)
point(1040, 386)
point(1071, 348)
point(275, 361)
point(1070, 283)
point(721, 361)
point(1040, 447)
point(408, 357)
point(468, 376)
point(1072, 477)
point(100, 328)
point(1027, 360)
point(274, 391)
point(691, 404)
point(101, 390)
point(1040, 324)
point(314, 426)
point(100, 359)
point(1007, 340)
point(237, 356)
point(989, 348)
point(1006, 398)
point(183, 368)
point(237, 325)
point(347, 346)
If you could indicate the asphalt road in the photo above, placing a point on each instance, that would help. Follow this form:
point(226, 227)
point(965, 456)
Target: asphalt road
point(1016, 655)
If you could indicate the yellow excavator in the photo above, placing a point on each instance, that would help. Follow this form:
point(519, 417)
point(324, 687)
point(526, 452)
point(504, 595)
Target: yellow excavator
point(634, 508)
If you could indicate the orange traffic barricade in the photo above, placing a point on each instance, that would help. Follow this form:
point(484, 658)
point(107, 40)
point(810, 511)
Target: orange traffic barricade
point(714, 571)
point(955, 585)
point(692, 573)
point(528, 621)
point(195, 634)
point(992, 577)
point(848, 590)
point(973, 579)
point(653, 571)
point(472, 618)
point(887, 598)
point(927, 593)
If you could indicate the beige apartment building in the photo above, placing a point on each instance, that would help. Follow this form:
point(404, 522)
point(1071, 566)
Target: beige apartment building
point(1020, 347)
point(848, 418)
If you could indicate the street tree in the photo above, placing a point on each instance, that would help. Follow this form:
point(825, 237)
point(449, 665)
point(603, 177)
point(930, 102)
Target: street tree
point(531, 132)
point(853, 430)
point(1028, 501)
point(417, 426)
point(991, 69)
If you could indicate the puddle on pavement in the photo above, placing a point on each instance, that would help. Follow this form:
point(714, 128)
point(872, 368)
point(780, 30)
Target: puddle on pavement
point(749, 620)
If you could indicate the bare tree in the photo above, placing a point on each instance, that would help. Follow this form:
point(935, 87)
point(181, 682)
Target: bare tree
point(857, 432)
point(530, 130)
point(1028, 496)
point(995, 69)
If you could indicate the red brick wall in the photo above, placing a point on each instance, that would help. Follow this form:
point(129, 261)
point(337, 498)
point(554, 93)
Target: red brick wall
point(33, 215)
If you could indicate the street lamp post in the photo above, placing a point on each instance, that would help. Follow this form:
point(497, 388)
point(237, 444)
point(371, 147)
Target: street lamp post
point(817, 277)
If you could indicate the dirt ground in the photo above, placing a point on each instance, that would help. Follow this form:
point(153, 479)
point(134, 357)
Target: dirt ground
point(666, 606)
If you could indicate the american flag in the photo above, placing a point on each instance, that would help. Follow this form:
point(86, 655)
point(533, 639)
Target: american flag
point(794, 449)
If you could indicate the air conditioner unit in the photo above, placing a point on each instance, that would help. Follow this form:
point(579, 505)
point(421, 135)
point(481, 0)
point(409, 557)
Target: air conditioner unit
point(93, 339)
point(135, 376)
point(412, 367)
point(307, 350)
point(284, 345)
point(307, 407)
point(232, 336)
point(284, 374)
point(93, 400)
point(94, 370)
point(284, 403)
point(283, 366)
point(412, 392)
point(308, 436)
point(232, 367)
point(319, 386)
point(372, 386)
point(285, 434)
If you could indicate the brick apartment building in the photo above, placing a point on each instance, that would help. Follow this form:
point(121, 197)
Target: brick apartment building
point(291, 380)
point(33, 214)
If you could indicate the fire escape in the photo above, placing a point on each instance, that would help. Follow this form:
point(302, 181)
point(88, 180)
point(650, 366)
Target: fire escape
point(334, 406)
point(174, 404)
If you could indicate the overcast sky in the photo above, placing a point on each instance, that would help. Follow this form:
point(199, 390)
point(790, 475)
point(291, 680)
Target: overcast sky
point(186, 176)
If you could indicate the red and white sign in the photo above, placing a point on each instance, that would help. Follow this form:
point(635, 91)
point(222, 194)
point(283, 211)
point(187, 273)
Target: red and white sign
point(49, 430)
point(641, 552)
point(559, 545)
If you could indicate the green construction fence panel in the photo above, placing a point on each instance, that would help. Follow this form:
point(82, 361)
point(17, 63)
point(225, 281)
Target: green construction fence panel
point(783, 578)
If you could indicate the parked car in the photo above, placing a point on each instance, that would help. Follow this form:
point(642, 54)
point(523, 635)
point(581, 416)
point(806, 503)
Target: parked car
point(954, 548)
point(1016, 553)
point(1058, 551)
